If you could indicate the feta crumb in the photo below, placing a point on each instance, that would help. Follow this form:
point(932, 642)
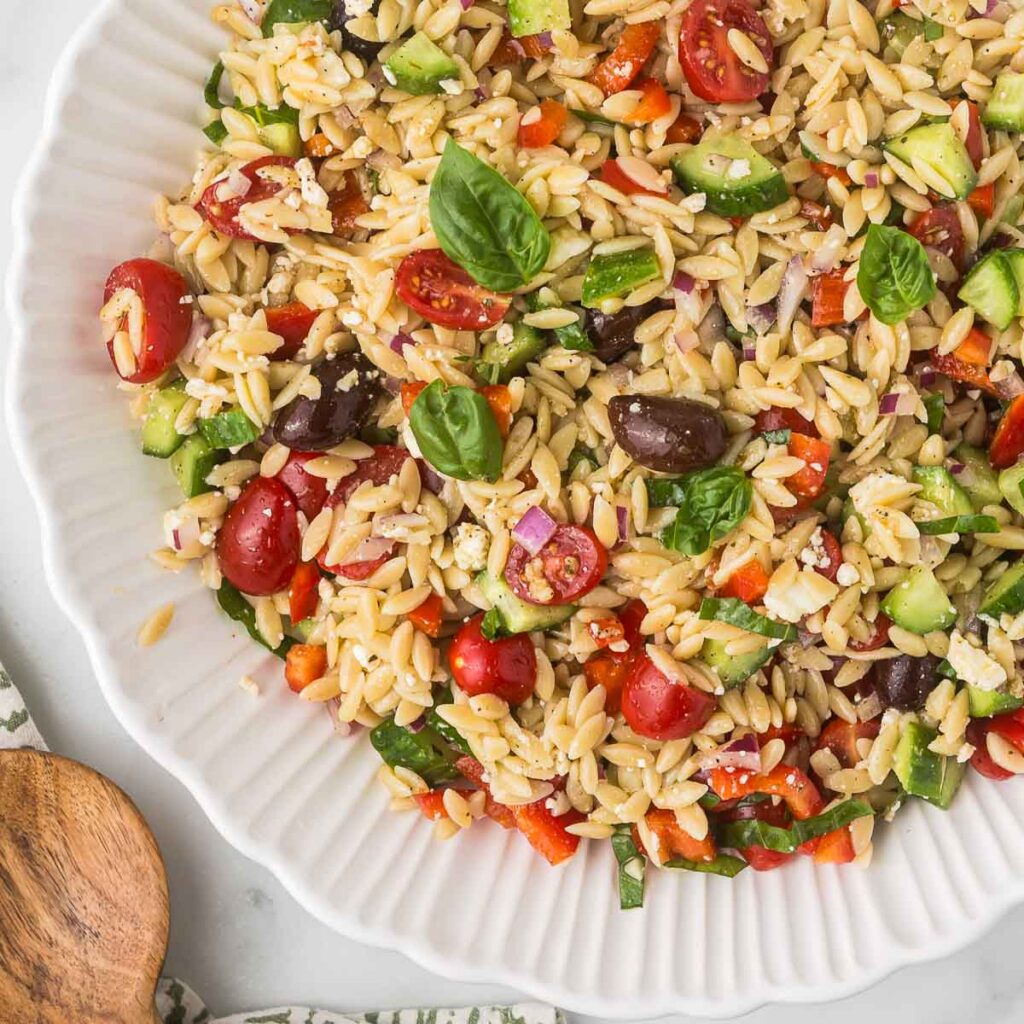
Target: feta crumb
point(738, 169)
point(470, 547)
point(349, 381)
point(972, 665)
point(815, 555)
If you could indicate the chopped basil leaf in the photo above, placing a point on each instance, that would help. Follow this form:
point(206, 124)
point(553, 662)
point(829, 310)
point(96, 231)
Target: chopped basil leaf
point(631, 868)
point(446, 731)
point(723, 864)
point(935, 406)
point(231, 601)
point(738, 613)
point(295, 12)
point(491, 626)
point(212, 91)
point(425, 752)
point(712, 503)
point(738, 835)
point(581, 454)
point(895, 277)
point(959, 524)
point(945, 670)
point(777, 436)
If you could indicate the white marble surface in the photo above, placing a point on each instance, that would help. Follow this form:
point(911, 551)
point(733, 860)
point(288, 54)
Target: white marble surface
point(237, 937)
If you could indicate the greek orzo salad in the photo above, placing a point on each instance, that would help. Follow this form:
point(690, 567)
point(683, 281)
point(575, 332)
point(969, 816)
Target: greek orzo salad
point(612, 408)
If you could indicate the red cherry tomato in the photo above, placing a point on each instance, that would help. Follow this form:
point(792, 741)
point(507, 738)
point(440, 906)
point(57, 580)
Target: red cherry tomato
point(712, 69)
point(431, 804)
point(545, 127)
point(387, 461)
point(627, 60)
point(506, 667)
point(346, 204)
point(310, 492)
point(258, 544)
point(1008, 441)
point(654, 103)
point(762, 859)
point(426, 617)
point(166, 314)
point(828, 295)
point(304, 663)
point(570, 565)
point(221, 207)
point(684, 129)
point(444, 294)
point(612, 174)
point(303, 591)
point(939, 228)
point(511, 50)
point(974, 143)
point(777, 418)
point(834, 553)
point(293, 323)
point(841, 738)
point(809, 481)
point(878, 638)
point(655, 706)
point(981, 760)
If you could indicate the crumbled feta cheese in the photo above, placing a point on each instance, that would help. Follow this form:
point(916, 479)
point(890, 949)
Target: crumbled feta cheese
point(792, 596)
point(470, 547)
point(349, 381)
point(815, 555)
point(312, 191)
point(738, 169)
point(972, 665)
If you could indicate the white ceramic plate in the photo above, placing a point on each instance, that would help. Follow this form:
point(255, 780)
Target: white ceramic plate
point(121, 126)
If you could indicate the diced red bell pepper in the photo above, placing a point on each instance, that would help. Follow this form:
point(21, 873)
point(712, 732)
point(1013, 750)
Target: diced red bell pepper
point(545, 128)
point(796, 789)
point(832, 848)
point(831, 171)
point(970, 373)
point(879, 638)
point(654, 103)
point(303, 591)
point(809, 482)
point(612, 174)
point(304, 664)
point(841, 738)
point(546, 832)
point(684, 129)
point(828, 294)
point(975, 348)
point(983, 199)
point(473, 770)
point(820, 216)
point(607, 670)
point(635, 46)
point(293, 322)
point(431, 804)
point(674, 840)
point(427, 616)
point(749, 583)
point(974, 143)
point(1008, 442)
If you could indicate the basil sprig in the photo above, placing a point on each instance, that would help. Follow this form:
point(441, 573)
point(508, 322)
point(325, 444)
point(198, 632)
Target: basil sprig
point(738, 835)
point(425, 752)
point(484, 224)
point(631, 868)
point(456, 432)
point(294, 12)
point(738, 613)
point(236, 607)
point(959, 524)
point(894, 277)
point(724, 865)
point(712, 502)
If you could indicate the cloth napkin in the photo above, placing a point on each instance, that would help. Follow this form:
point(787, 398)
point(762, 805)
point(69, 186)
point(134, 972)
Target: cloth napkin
point(178, 1004)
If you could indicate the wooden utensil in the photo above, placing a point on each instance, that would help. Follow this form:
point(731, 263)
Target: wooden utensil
point(83, 897)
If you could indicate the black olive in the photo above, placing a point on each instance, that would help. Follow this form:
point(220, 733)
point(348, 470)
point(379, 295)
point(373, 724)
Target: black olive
point(905, 682)
point(614, 334)
point(349, 387)
point(670, 435)
point(364, 49)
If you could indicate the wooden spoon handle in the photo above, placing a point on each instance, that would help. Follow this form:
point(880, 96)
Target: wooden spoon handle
point(83, 897)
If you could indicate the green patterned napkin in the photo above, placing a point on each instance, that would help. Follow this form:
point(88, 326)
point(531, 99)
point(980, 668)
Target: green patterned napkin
point(177, 1004)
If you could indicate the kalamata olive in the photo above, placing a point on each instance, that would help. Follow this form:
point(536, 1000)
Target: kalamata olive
point(614, 334)
point(905, 682)
point(670, 435)
point(349, 387)
point(365, 49)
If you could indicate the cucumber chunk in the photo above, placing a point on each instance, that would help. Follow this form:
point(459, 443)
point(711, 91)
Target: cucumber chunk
point(732, 669)
point(531, 17)
point(922, 772)
point(518, 616)
point(991, 289)
point(191, 465)
point(500, 362)
point(1011, 487)
point(159, 438)
point(939, 146)
point(978, 478)
point(986, 703)
point(230, 429)
point(283, 138)
point(939, 487)
point(919, 603)
point(618, 273)
point(899, 30)
point(1005, 108)
point(736, 179)
point(815, 148)
point(1012, 211)
point(419, 66)
point(1006, 594)
point(1015, 257)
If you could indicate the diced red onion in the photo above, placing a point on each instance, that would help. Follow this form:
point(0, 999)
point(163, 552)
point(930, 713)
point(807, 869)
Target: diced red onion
point(466, 4)
point(824, 258)
point(382, 160)
point(743, 754)
point(927, 376)
point(345, 117)
point(805, 637)
point(791, 294)
point(198, 333)
point(683, 282)
point(429, 477)
point(418, 725)
point(749, 353)
point(622, 519)
point(235, 185)
point(480, 93)
point(534, 530)
point(761, 317)
point(392, 385)
point(370, 550)
point(399, 341)
point(686, 341)
point(897, 403)
point(185, 535)
point(870, 707)
point(871, 179)
point(1010, 387)
point(545, 40)
point(517, 48)
point(332, 707)
point(956, 468)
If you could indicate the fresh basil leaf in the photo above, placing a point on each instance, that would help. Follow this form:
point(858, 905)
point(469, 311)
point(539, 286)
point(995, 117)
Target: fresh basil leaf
point(424, 752)
point(724, 865)
point(709, 800)
point(216, 132)
point(959, 524)
point(895, 277)
point(231, 601)
point(212, 91)
point(573, 336)
point(484, 224)
point(631, 868)
point(456, 432)
point(935, 407)
point(712, 502)
point(946, 670)
point(738, 613)
point(295, 12)
point(738, 835)
point(491, 626)
point(587, 117)
point(777, 436)
point(581, 453)
point(445, 730)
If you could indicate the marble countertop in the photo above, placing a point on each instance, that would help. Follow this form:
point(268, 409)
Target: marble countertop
point(237, 937)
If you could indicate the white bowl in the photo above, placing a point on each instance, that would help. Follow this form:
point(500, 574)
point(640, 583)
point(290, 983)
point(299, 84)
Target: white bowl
point(122, 126)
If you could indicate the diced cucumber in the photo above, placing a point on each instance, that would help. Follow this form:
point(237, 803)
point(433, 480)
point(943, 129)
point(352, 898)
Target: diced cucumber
point(898, 31)
point(919, 603)
point(848, 510)
point(815, 148)
point(518, 616)
point(303, 629)
point(732, 669)
point(500, 362)
point(736, 179)
point(1005, 110)
point(191, 465)
point(1015, 257)
point(991, 289)
point(283, 138)
point(531, 17)
point(419, 66)
point(1006, 595)
point(572, 336)
point(986, 703)
point(159, 438)
point(922, 772)
point(230, 429)
point(614, 274)
point(978, 478)
point(938, 146)
point(1011, 487)
point(939, 487)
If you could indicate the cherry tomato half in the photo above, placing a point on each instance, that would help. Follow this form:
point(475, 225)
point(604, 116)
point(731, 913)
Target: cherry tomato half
point(258, 544)
point(310, 492)
point(611, 173)
point(833, 552)
point(506, 667)
point(303, 591)
point(570, 565)
point(684, 129)
point(974, 143)
point(1008, 442)
point(346, 204)
point(387, 462)
point(712, 69)
point(444, 294)
point(981, 759)
point(220, 206)
point(878, 638)
point(659, 708)
point(777, 418)
point(939, 228)
point(627, 60)
point(293, 323)
point(166, 314)
point(841, 738)
point(809, 481)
